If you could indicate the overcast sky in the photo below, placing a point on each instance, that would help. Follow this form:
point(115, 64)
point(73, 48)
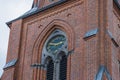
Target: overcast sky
point(9, 10)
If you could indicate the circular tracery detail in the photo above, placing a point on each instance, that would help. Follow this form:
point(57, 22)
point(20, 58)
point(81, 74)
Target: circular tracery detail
point(55, 43)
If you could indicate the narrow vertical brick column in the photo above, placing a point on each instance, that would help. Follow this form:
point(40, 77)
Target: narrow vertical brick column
point(42, 74)
point(13, 49)
point(105, 23)
point(69, 67)
point(38, 73)
point(102, 19)
point(14, 40)
point(34, 74)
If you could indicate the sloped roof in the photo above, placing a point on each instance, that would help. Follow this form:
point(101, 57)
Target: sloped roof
point(35, 10)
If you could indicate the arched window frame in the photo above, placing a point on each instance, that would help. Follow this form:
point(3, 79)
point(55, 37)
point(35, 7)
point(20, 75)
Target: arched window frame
point(57, 57)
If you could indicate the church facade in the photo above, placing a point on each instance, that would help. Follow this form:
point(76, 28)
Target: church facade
point(65, 40)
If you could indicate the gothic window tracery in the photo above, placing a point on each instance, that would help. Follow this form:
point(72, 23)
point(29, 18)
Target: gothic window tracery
point(55, 47)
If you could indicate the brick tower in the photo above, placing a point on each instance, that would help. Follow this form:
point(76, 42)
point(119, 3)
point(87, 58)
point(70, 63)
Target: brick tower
point(65, 40)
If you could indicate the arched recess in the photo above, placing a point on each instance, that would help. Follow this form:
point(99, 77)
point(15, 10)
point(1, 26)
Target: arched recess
point(39, 43)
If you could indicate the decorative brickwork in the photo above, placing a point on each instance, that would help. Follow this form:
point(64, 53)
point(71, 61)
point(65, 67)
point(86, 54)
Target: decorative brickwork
point(85, 24)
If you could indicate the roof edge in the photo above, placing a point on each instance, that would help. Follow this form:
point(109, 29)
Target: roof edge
point(30, 12)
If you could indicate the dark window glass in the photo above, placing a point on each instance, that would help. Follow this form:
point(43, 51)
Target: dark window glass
point(50, 68)
point(63, 68)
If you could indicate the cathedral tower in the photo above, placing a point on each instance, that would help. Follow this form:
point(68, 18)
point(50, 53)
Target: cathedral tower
point(65, 40)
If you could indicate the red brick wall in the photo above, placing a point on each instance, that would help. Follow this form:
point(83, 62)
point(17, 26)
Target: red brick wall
point(13, 49)
point(48, 2)
point(14, 41)
point(115, 50)
point(75, 18)
point(8, 74)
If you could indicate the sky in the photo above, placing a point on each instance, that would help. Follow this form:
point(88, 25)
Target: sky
point(9, 10)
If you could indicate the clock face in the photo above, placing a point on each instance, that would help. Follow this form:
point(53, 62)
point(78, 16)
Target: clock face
point(55, 43)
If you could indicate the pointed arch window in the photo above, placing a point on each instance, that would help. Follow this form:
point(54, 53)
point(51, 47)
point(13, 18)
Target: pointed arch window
point(56, 47)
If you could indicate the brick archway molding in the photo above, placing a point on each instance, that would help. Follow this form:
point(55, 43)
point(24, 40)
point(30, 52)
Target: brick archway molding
point(40, 74)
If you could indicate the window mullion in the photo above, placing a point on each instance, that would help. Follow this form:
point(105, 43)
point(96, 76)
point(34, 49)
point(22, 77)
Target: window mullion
point(56, 69)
